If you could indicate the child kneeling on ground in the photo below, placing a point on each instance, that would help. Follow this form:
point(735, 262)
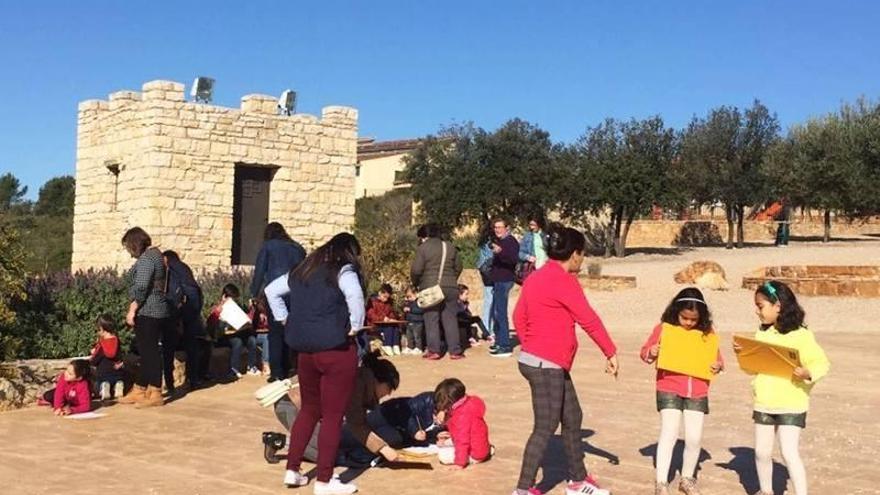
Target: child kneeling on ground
point(464, 416)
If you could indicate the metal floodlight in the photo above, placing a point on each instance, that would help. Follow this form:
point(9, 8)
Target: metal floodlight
point(287, 102)
point(202, 89)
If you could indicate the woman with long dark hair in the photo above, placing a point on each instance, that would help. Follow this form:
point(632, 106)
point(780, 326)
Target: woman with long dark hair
point(326, 299)
point(148, 313)
point(552, 301)
point(278, 255)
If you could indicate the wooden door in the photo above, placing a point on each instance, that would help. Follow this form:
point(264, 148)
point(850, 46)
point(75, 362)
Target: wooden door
point(250, 212)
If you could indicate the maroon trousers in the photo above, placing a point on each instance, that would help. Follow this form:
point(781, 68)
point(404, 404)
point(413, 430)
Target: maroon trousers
point(326, 382)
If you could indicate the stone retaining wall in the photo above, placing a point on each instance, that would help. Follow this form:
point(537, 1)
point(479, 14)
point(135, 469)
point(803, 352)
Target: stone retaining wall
point(815, 280)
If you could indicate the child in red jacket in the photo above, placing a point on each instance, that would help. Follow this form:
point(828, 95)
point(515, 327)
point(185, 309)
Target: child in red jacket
point(381, 314)
point(73, 391)
point(105, 356)
point(464, 416)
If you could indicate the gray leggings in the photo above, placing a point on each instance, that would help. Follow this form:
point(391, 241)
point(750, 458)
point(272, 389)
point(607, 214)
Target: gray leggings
point(554, 400)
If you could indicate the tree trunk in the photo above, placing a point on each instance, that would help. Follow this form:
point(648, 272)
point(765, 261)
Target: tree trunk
point(618, 220)
point(609, 234)
point(827, 235)
point(740, 217)
point(623, 235)
point(729, 213)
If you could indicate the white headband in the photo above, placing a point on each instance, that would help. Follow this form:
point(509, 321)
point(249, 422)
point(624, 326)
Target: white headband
point(694, 299)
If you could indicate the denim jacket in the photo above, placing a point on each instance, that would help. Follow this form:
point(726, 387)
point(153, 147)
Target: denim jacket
point(527, 246)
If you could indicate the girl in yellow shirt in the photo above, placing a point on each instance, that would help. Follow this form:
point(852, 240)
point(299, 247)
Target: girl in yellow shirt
point(781, 404)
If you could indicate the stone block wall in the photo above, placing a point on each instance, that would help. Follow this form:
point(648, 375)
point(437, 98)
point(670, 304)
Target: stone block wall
point(176, 162)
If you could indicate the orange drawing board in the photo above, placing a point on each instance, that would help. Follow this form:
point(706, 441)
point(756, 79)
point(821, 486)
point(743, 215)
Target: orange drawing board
point(689, 352)
point(763, 357)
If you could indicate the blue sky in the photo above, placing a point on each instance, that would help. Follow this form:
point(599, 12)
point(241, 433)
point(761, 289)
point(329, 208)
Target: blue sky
point(411, 67)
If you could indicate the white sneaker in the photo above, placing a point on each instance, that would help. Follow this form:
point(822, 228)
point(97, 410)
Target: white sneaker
point(334, 486)
point(253, 371)
point(119, 390)
point(387, 350)
point(105, 390)
point(294, 478)
point(396, 350)
point(584, 487)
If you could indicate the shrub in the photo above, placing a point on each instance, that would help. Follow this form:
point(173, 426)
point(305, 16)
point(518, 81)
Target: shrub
point(55, 318)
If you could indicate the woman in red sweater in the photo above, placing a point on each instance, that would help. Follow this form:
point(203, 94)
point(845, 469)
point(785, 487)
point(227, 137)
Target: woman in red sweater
point(552, 301)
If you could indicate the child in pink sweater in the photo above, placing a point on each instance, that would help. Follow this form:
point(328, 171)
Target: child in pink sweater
point(465, 419)
point(73, 390)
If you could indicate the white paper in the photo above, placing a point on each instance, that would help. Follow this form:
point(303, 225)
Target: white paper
point(232, 314)
point(429, 450)
point(86, 415)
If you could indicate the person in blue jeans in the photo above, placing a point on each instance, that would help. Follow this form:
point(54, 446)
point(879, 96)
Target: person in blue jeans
point(485, 256)
point(505, 254)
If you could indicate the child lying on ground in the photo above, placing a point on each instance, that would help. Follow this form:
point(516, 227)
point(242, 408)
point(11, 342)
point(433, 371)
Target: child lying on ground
point(73, 389)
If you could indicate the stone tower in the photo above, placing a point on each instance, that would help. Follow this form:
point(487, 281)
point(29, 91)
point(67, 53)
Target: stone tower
point(204, 180)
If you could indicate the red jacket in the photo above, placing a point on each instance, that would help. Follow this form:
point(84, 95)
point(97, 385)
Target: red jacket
point(377, 311)
point(468, 429)
point(551, 301)
point(75, 395)
point(672, 382)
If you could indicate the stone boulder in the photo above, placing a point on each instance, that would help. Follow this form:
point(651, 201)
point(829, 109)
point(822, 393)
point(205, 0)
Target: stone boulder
point(703, 274)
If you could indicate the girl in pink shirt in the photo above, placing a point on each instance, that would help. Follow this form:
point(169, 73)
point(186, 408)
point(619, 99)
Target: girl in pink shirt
point(678, 395)
point(552, 301)
point(73, 390)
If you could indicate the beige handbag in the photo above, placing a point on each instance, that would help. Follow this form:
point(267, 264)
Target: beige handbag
point(432, 296)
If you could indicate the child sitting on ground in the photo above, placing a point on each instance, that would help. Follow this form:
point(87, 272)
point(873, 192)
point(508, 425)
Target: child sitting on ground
point(105, 358)
point(466, 320)
point(464, 417)
point(380, 312)
point(259, 315)
point(415, 323)
point(73, 389)
point(235, 339)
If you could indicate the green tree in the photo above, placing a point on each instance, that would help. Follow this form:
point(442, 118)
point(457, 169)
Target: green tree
point(825, 164)
point(11, 192)
point(56, 197)
point(622, 168)
point(383, 226)
point(467, 175)
point(724, 152)
point(12, 280)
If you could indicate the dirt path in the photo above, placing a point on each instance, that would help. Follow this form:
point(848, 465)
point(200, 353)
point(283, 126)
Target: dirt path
point(209, 442)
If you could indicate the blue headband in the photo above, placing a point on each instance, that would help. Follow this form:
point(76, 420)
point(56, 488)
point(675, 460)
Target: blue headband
point(771, 291)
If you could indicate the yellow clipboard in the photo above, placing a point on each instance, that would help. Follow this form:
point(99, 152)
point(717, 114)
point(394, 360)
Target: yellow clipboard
point(766, 358)
point(689, 352)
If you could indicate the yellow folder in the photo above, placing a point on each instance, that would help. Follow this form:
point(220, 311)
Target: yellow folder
point(689, 352)
point(766, 358)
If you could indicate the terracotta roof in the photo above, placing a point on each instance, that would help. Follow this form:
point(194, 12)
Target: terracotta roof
point(368, 148)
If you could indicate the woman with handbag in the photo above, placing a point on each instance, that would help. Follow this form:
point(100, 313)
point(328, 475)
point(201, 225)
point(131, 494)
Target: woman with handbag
point(435, 272)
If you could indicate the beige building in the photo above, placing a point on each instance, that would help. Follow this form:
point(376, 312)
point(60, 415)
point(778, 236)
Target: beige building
point(205, 180)
point(380, 165)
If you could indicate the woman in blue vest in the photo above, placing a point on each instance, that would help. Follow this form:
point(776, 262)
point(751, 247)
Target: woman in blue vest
point(326, 300)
